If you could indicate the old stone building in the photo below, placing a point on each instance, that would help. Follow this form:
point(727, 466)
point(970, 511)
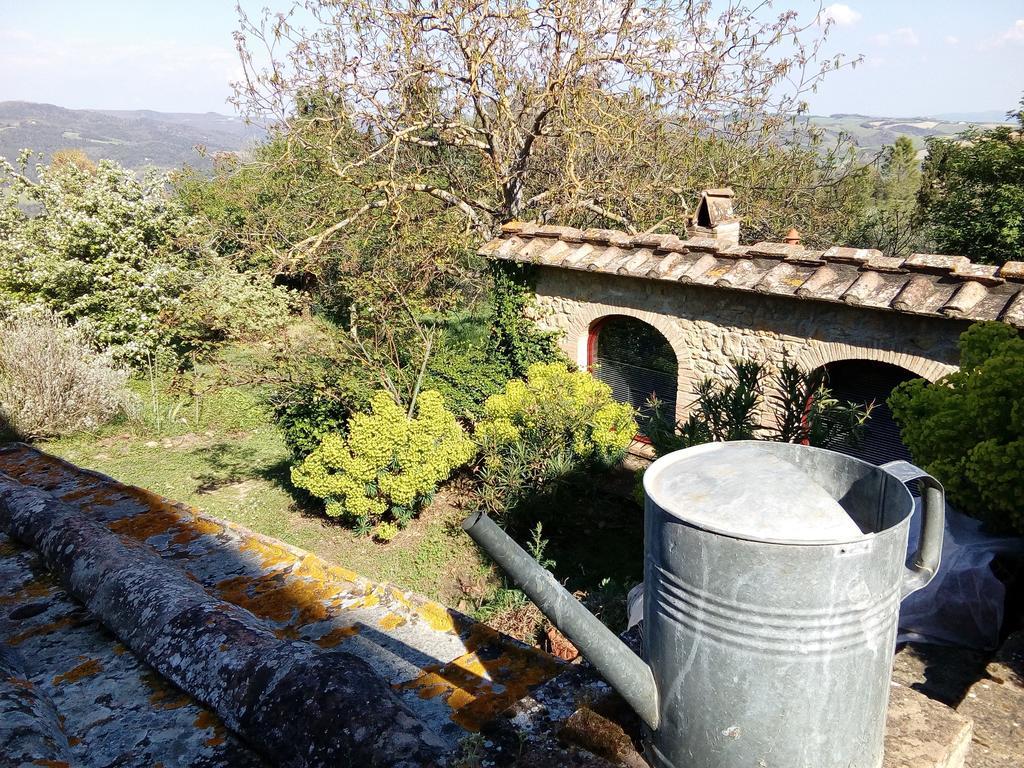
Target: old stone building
point(870, 321)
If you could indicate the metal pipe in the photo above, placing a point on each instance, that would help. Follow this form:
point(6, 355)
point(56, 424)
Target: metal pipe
point(616, 663)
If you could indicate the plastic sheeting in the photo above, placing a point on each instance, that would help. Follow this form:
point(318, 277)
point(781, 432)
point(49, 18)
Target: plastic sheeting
point(963, 604)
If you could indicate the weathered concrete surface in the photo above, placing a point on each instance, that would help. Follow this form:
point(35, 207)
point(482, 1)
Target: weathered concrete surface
point(298, 705)
point(997, 710)
point(113, 709)
point(1008, 664)
point(922, 733)
point(30, 731)
point(451, 672)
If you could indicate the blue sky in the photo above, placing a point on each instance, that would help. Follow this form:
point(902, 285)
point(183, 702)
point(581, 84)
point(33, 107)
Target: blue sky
point(921, 57)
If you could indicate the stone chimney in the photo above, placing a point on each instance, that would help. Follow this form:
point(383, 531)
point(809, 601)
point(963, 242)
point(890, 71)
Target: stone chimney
point(715, 218)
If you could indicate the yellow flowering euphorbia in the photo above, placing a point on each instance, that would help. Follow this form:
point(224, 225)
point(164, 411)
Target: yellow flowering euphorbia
point(557, 409)
point(388, 462)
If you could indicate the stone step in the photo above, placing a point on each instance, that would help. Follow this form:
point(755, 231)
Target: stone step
point(996, 705)
point(453, 673)
point(924, 733)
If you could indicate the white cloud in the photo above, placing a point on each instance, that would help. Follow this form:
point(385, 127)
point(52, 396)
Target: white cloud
point(1013, 36)
point(952, 40)
point(904, 36)
point(839, 14)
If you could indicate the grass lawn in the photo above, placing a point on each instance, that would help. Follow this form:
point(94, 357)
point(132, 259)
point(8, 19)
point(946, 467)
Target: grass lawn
point(233, 463)
point(222, 453)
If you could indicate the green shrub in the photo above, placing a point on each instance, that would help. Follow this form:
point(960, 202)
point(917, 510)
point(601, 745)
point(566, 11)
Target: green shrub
point(802, 410)
point(388, 464)
point(540, 431)
point(967, 429)
point(125, 261)
point(52, 381)
point(465, 377)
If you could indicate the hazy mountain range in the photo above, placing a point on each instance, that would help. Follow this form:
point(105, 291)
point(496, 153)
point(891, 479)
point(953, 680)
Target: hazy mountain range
point(871, 134)
point(135, 138)
point(144, 138)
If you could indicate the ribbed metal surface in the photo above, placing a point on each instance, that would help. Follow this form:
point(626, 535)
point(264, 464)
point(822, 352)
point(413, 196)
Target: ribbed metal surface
point(770, 653)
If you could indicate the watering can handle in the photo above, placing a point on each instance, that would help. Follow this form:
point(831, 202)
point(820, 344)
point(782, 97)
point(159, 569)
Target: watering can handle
point(929, 546)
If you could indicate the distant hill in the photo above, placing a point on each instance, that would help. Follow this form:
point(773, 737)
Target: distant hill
point(144, 138)
point(870, 133)
point(136, 139)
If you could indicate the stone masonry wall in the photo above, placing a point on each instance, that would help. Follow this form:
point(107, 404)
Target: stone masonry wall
point(709, 326)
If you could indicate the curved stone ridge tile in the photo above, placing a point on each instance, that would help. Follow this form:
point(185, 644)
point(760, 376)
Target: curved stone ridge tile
point(450, 671)
point(298, 705)
point(113, 708)
point(921, 284)
point(30, 732)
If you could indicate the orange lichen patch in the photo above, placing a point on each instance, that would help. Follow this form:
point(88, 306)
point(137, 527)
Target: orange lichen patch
point(164, 695)
point(146, 525)
point(336, 636)
point(74, 741)
point(313, 567)
point(481, 684)
point(42, 470)
point(399, 596)
point(43, 629)
point(270, 556)
point(30, 591)
point(369, 600)
point(438, 617)
point(280, 598)
point(81, 493)
point(87, 668)
point(20, 682)
point(120, 648)
point(391, 621)
point(207, 720)
point(52, 763)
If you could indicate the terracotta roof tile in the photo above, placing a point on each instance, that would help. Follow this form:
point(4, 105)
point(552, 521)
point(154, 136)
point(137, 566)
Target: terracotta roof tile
point(964, 299)
point(925, 284)
point(1014, 312)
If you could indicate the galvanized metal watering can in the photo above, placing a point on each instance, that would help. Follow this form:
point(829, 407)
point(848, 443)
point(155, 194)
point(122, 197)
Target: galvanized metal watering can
point(773, 575)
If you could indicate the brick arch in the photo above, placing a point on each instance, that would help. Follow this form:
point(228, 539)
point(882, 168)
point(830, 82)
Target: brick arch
point(577, 340)
point(817, 354)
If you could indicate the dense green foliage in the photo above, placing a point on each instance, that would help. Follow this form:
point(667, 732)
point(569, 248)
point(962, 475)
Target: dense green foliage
point(972, 197)
point(515, 340)
point(967, 429)
point(388, 464)
point(100, 247)
point(886, 211)
point(543, 429)
point(798, 408)
point(466, 377)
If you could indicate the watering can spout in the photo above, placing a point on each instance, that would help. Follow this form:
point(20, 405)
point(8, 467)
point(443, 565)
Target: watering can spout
point(616, 663)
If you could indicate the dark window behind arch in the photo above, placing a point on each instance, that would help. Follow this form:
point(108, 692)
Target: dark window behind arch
point(862, 382)
point(636, 361)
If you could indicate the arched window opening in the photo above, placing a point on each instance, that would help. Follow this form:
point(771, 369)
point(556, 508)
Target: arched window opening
point(863, 382)
point(636, 361)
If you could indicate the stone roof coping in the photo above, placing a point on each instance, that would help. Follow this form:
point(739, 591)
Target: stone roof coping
point(932, 284)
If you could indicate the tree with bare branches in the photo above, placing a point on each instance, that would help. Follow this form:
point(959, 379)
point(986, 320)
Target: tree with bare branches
point(495, 110)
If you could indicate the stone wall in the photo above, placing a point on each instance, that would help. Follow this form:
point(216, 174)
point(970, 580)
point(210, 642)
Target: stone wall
point(708, 326)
